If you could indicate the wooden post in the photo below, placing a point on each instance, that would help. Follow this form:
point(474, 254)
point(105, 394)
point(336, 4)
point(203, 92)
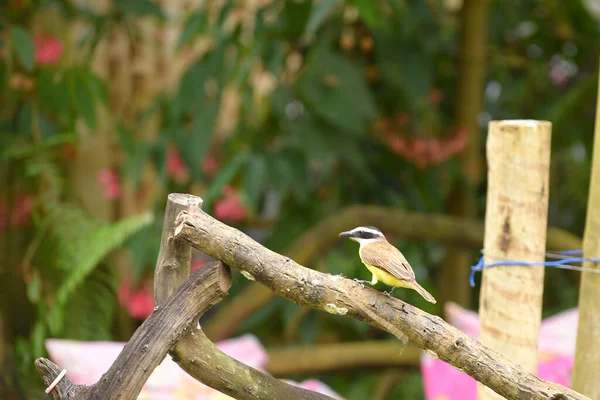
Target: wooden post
point(518, 154)
point(586, 373)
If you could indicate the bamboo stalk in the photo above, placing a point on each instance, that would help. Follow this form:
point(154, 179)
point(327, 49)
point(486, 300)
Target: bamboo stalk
point(586, 372)
point(515, 229)
point(471, 78)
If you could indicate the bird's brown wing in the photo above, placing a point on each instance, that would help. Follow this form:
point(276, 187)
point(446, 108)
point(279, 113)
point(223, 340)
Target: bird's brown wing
point(385, 256)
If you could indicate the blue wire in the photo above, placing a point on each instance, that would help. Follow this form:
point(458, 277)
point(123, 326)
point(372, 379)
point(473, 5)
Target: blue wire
point(480, 265)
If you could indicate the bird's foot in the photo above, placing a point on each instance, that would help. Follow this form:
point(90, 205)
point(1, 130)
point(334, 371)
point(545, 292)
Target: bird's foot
point(390, 293)
point(362, 283)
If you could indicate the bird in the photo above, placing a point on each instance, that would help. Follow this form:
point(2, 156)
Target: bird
point(384, 261)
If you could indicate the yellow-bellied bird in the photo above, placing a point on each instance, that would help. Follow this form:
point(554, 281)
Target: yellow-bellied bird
point(386, 263)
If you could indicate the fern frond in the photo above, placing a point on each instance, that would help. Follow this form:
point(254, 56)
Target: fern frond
point(89, 313)
point(84, 255)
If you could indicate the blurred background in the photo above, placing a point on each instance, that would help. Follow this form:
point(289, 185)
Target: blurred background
point(294, 120)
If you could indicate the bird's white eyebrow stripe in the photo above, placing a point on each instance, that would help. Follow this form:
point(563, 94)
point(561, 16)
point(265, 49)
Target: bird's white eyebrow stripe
point(373, 231)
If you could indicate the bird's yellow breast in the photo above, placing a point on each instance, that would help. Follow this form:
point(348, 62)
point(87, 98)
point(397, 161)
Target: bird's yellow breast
point(386, 277)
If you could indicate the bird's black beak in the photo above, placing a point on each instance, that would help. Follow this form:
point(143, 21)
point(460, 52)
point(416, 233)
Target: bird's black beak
point(346, 234)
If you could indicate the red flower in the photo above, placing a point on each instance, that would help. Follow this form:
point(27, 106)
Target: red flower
point(109, 180)
point(22, 211)
point(176, 168)
point(140, 302)
point(19, 214)
point(230, 208)
point(435, 96)
point(48, 49)
point(197, 264)
point(210, 165)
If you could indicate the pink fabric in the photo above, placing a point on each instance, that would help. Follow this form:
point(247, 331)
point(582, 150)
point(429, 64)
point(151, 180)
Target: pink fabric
point(441, 381)
point(85, 363)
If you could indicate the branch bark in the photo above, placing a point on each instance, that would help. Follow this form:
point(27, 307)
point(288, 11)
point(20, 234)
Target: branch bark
point(452, 231)
point(153, 339)
point(341, 356)
point(340, 296)
point(175, 256)
point(194, 353)
point(201, 359)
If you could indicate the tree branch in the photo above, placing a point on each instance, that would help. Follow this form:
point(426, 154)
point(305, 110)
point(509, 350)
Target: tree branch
point(175, 256)
point(453, 231)
point(194, 353)
point(200, 358)
point(342, 296)
point(153, 339)
point(341, 356)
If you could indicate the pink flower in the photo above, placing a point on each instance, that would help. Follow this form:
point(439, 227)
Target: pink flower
point(48, 49)
point(19, 214)
point(210, 165)
point(22, 211)
point(197, 264)
point(176, 168)
point(140, 302)
point(230, 208)
point(109, 180)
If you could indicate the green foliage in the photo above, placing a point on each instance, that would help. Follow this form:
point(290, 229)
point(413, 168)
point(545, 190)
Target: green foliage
point(314, 82)
point(23, 47)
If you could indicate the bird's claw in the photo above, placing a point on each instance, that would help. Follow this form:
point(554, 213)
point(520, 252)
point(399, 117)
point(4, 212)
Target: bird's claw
point(362, 283)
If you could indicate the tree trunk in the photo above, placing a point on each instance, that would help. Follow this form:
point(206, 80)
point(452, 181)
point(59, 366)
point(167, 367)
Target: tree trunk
point(586, 372)
point(471, 77)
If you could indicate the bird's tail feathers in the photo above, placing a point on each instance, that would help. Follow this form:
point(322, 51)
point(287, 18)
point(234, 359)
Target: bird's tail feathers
point(421, 290)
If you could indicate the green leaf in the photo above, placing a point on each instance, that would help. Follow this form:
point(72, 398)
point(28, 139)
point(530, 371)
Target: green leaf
point(319, 14)
point(82, 97)
point(407, 68)
point(97, 88)
point(193, 26)
point(295, 16)
point(23, 46)
point(368, 11)
point(336, 91)
point(280, 172)
point(254, 178)
point(54, 95)
point(126, 139)
point(139, 7)
point(136, 161)
point(224, 177)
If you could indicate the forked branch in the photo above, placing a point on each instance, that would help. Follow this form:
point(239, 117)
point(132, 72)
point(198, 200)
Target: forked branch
point(151, 341)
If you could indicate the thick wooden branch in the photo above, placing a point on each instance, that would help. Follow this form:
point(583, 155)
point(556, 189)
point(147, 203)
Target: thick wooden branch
point(175, 256)
point(194, 353)
point(341, 296)
point(151, 341)
point(341, 356)
point(200, 358)
point(453, 231)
